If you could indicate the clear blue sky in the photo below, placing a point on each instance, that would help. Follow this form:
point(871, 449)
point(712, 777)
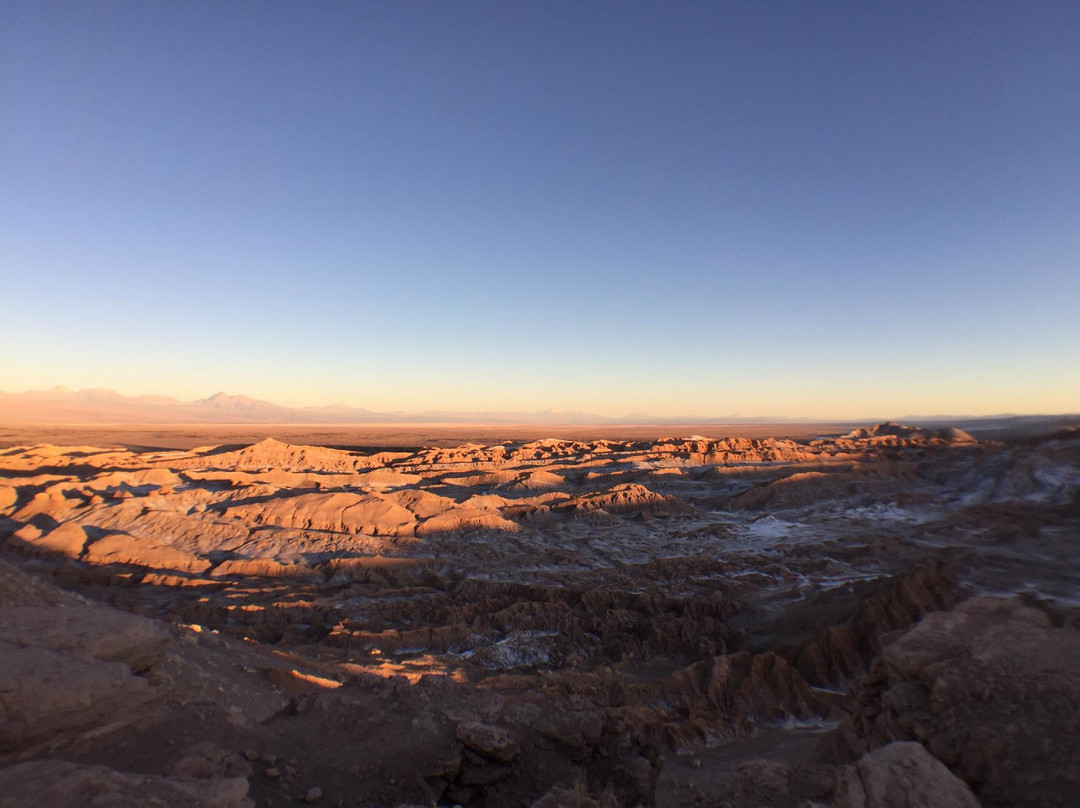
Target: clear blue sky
point(766, 208)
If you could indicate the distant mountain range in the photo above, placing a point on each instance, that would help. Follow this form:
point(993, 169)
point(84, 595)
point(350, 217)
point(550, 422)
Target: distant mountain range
point(102, 406)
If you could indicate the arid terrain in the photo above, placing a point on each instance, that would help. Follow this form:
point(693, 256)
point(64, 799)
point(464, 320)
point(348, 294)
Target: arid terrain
point(888, 617)
point(406, 436)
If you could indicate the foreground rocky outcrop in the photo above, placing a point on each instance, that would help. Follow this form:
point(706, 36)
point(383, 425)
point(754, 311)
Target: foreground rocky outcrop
point(901, 775)
point(75, 673)
point(68, 667)
point(991, 688)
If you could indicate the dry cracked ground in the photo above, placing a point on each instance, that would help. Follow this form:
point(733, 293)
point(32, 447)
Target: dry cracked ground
point(887, 618)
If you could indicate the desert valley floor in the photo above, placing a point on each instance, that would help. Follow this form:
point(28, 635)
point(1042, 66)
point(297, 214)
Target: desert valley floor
point(890, 617)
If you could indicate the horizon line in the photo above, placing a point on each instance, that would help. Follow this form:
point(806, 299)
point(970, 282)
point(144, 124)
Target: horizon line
point(461, 417)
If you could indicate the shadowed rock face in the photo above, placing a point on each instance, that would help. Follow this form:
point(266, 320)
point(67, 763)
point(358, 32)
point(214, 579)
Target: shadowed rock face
point(901, 775)
point(602, 622)
point(991, 688)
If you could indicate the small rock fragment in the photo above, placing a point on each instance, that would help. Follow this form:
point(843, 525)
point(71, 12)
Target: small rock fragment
point(496, 743)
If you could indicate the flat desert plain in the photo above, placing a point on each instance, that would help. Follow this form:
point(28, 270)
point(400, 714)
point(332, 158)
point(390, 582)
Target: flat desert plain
point(189, 436)
point(539, 616)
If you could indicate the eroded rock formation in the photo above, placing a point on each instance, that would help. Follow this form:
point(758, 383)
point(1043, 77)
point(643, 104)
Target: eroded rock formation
point(681, 622)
